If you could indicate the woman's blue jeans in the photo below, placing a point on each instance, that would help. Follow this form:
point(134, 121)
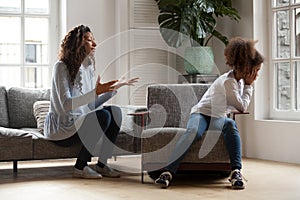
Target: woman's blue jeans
point(196, 126)
point(98, 134)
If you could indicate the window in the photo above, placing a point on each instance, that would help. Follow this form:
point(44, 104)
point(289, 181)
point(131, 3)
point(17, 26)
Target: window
point(25, 50)
point(286, 59)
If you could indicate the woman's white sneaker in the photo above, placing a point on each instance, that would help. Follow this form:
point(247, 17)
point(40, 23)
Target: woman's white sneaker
point(108, 172)
point(87, 172)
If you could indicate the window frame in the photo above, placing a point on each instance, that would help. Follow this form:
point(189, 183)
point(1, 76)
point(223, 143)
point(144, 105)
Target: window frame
point(292, 114)
point(53, 35)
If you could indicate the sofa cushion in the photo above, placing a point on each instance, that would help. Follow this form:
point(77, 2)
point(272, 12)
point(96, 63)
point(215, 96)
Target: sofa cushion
point(11, 132)
point(4, 121)
point(20, 105)
point(159, 143)
point(40, 110)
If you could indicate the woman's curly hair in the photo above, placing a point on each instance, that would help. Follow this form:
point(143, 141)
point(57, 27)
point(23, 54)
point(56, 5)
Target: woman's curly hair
point(242, 56)
point(72, 50)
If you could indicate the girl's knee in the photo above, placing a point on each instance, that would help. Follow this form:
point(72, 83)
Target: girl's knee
point(230, 124)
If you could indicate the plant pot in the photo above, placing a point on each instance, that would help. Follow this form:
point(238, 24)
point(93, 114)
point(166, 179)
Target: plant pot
point(199, 60)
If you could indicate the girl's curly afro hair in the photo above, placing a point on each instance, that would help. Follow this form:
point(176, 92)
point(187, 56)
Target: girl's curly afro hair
point(241, 55)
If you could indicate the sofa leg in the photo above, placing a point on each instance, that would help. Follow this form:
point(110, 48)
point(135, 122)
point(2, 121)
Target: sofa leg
point(142, 176)
point(15, 166)
point(142, 172)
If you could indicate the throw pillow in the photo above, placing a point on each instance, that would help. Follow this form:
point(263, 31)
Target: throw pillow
point(40, 110)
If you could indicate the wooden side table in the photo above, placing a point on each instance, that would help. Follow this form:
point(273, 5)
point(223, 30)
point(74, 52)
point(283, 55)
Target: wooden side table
point(141, 114)
point(233, 113)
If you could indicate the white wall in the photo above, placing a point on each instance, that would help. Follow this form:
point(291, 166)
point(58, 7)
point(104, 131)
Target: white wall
point(106, 18)
point(263, 139)
point(231, 28)
point(99, 15)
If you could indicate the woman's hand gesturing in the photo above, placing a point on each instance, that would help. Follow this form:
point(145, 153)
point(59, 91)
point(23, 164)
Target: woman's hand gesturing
point(123, 81)
point(105, 87)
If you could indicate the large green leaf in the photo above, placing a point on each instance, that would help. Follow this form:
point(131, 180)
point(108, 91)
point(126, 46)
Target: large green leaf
point(169, 21)
point(166, 3)
point(221, 37)
point(194, 19)
point(205, 26)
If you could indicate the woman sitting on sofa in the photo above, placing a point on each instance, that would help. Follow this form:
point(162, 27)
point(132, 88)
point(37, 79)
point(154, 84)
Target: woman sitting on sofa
point(76, 114)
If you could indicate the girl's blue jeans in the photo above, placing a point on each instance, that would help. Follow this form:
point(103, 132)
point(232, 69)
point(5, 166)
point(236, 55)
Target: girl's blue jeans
point(215, 127)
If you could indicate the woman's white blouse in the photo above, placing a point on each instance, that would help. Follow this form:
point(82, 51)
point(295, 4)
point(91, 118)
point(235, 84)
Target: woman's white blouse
point(70, 104)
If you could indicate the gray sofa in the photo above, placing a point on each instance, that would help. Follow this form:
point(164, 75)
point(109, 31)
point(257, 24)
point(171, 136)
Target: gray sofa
point(169, 108)
point(21, 140)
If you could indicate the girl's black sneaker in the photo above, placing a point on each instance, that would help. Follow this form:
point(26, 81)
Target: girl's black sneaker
point(164, 179)
point(237, 180)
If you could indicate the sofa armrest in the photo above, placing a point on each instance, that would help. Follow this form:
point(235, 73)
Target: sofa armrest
point(131, 127)
point(131, 123)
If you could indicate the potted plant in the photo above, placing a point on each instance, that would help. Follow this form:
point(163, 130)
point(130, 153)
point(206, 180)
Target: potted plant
point(196, 21)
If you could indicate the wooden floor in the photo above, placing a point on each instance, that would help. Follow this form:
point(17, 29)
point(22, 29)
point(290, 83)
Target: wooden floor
point(52, 179)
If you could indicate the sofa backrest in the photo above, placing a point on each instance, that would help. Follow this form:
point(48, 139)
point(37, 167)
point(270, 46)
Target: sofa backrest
point(170, 104)
point(4, 121)
point(20, 105)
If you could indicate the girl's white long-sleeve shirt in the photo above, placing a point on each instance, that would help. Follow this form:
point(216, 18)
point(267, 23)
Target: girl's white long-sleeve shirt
point(70, 104)
point(224, 95)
